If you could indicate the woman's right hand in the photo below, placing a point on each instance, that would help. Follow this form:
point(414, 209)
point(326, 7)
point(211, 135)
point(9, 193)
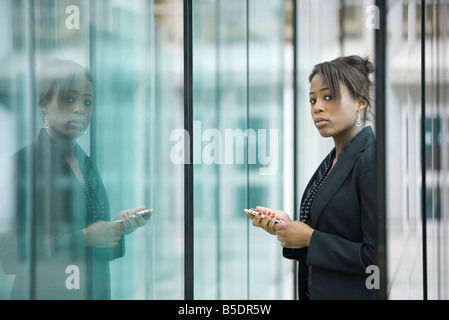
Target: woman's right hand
point(103, 234)
point(266, 218)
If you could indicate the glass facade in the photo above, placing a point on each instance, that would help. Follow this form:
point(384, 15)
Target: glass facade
point(132, 50)
point(416, 122)
point(252, 141)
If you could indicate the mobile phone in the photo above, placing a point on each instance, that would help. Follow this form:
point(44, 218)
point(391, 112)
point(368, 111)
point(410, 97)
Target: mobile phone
point(146, 214)
point(255, 213)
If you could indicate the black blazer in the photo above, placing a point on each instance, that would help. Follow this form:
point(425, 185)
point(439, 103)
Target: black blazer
point(344, 218)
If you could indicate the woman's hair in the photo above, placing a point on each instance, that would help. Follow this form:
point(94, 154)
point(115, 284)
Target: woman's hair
point(58, 76)
point(353, 71)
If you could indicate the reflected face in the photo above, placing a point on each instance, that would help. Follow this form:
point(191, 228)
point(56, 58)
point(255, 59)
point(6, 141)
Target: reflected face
point(69, 115)
point(333, 118)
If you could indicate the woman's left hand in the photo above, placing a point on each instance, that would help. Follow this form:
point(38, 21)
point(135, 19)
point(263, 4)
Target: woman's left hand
point(294, 234)
point(130, 220)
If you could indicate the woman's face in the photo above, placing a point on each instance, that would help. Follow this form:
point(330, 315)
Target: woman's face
point(70, 116)
point(333, 118)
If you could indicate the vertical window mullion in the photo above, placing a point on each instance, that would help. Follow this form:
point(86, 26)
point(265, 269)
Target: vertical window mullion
point(188, 167)
point(295, 131)
point(380, 80)
point(31, 48)
point(423, 147)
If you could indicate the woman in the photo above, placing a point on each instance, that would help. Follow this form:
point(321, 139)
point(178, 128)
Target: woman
point(335, 238)
point(66, 253)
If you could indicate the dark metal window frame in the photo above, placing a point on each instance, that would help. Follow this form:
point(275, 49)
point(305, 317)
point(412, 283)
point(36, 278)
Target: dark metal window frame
point(380, 98)
point(188, 167)
point(423, 148)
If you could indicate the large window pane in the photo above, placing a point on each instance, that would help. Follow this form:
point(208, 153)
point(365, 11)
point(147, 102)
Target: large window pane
point(132, 50)
point(238, 149)
point(404, 223)
point(136, 58)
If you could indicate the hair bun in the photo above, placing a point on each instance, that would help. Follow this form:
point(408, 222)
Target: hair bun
point(369, 66)
point(364, 65)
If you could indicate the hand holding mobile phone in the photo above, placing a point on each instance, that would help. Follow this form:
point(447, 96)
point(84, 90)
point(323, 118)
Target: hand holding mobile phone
point(255, 213)
point(146, 214)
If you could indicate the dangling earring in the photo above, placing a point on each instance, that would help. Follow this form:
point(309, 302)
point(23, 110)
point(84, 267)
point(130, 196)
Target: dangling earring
point(359, 120)
point(45, 120)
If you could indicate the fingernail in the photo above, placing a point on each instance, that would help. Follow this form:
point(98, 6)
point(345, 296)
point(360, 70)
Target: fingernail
point(269, 213)
point(260, 213)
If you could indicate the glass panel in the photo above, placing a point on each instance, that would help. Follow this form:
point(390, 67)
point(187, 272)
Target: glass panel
point(238, 152)
point(45, 243)
point(406, 260)
point(437, 82)
point(269, 114)
point(314, 45)
point(404, 225)
point(78, 179)
point(17, 116)
point(136, 56)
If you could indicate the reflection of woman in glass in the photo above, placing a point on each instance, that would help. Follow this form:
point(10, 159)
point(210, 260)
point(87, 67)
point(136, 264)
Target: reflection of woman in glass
point(335, 238)
point(69, 217)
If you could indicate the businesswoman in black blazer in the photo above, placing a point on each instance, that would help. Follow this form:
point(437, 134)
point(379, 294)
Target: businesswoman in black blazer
point(335, 238)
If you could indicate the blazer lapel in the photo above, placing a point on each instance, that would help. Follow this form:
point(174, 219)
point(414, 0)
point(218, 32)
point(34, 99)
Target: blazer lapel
point(338, 174)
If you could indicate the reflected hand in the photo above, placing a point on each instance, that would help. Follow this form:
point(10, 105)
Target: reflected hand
point(130, 220)
point(103, 234)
